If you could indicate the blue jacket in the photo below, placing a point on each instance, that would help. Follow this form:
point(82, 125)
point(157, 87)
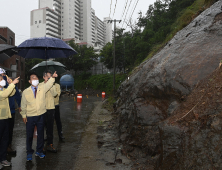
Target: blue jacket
point(12, 99)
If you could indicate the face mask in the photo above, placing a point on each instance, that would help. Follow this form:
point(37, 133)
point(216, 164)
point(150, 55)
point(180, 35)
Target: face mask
point(2, 83)
point(35, 82)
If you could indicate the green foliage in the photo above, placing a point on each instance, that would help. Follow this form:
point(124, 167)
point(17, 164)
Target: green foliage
point(83, 61)
point(209, 2)
point(103, 82)
point(153, 30)
point(106, 54)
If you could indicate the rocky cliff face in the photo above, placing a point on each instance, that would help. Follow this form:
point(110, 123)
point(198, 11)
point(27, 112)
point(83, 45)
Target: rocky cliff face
point(152, 94)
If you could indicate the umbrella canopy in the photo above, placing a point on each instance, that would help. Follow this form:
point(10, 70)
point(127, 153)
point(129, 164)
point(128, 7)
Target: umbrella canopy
point(51, 65)
point(45, 48)
point(6, 51)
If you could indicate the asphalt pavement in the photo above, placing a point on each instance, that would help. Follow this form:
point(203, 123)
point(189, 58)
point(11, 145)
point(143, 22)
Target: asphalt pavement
point(74, 118)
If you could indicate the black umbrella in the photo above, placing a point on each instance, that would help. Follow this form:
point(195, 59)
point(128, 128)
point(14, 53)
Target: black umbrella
point(52, 65)
point(6, 51)
point(45, 48)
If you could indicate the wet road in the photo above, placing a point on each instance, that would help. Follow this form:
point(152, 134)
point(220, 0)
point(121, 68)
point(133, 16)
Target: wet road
point(74, 118)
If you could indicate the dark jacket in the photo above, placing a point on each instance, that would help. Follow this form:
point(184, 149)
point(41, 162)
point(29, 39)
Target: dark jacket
point(12, 99)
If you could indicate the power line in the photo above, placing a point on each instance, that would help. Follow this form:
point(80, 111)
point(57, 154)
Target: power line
point(127, 13)
point(133, 6)
point(124, 9)
point(133, 12)
point(110, 8)
point(114, 9)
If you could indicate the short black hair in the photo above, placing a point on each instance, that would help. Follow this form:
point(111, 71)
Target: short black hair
point(47, 71)
point(33, 73)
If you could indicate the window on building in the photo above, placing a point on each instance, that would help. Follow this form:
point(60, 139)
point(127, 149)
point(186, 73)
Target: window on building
point(39, 21)
point(35, 22)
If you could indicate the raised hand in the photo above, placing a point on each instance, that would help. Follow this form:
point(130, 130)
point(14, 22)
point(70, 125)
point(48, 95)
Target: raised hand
point(54, 75)
point(16, 80)
point(9, 80)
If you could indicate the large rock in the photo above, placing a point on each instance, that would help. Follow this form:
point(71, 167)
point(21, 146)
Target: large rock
point(156, 89)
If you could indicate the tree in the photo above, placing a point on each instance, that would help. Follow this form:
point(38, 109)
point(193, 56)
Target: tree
point(29, 63)
point(83, 61)
point(107, 55)
point(151, 29)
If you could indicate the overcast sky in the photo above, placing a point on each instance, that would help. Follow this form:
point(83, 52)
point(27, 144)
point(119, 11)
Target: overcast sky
point(15, 14)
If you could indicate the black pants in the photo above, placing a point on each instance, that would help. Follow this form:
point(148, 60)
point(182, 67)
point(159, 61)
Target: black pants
point(37, 121)
point(58, 120)
point(11, 122)
point(49, 118)
point(3, 139)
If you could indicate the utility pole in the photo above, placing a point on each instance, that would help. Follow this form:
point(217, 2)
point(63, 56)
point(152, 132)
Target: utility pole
point(114, 54)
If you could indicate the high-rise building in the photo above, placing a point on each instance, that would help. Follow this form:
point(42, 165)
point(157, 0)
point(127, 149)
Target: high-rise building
point(46, 21)
point(70, 19)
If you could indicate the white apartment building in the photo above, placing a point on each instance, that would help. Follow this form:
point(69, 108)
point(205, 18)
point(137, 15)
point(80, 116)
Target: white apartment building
point(71, 19)
point(46, 21)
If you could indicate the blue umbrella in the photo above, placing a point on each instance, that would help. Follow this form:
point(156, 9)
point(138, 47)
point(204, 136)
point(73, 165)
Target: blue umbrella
point(45, 48)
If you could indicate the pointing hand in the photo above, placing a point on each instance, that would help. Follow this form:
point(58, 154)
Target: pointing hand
point(16, 80)
point(54, 75)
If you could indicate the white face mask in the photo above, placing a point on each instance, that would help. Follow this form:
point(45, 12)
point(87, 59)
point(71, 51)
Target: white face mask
point(3, 83)
point(35, 82)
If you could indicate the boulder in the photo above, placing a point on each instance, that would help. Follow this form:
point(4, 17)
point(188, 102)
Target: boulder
point(156, 89)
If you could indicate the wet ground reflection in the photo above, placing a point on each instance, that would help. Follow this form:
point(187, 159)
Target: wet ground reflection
point(74, 119)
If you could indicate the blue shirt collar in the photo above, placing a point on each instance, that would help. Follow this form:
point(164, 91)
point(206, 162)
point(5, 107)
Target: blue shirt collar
point(33, 88)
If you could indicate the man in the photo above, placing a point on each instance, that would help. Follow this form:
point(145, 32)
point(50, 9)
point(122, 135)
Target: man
point(57, 112)
point(11, 121)
point(4, 116)
point(50, 113)
point(33, 109)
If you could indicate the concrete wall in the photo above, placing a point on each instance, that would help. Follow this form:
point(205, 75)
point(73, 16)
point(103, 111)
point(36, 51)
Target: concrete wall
point(71, 19)
point(46, 3)
point(86, 19)
point(38, 23)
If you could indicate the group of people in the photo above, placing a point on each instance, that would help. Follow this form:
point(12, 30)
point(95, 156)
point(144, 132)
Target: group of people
point(38, 106)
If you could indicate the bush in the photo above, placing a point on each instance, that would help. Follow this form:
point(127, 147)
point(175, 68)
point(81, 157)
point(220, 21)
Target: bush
point(103, 82)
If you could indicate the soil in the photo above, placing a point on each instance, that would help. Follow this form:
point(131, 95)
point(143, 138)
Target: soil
point(207, 96)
